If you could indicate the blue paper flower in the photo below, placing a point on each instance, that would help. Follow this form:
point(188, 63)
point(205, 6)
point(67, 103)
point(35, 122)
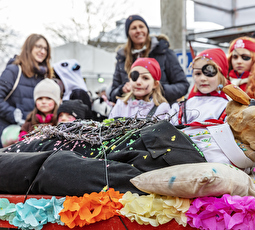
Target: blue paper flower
point(33, 214)
point(7, 209)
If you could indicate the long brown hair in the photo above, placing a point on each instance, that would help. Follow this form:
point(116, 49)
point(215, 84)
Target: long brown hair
point(250, 88)
point(26, 60)
point(33, 119)
point(129, 56)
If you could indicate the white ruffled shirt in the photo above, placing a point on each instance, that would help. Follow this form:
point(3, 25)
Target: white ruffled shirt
point(139, 109)
point(200, 108)
point(216, 142)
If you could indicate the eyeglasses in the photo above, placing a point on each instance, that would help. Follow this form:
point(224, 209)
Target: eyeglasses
point(135, 74)
point(208, 70)
point(74, 67)
point(243, 56)
point(40, 47)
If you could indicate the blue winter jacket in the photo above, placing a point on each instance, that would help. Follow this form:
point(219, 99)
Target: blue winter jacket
point(173, 79)
point(21, 98)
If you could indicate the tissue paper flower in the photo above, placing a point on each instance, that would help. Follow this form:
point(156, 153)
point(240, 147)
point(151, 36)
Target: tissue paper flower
point(33, 214)
point(227, 212)
point(91, 208)
point(7, 209)
point(154, 209)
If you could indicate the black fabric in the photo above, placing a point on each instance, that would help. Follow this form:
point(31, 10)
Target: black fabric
point(18, 170)
point(76, 108)
point(152, 111)
point(82, 95)
point(155, 147)
point(46, 144)
point(68, 173)
point(72, 170)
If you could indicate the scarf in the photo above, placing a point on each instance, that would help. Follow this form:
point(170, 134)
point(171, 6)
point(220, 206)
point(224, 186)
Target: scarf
point(42, 70)
point(136, 51)
point(239, 80)
point(235, 74)
point(48, 118)
point(213, 93)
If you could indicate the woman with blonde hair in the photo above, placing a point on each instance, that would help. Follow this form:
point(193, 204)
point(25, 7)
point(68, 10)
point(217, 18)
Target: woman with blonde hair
point(141, 44)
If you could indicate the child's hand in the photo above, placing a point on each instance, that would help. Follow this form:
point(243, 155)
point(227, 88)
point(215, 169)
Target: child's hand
point(126, 88)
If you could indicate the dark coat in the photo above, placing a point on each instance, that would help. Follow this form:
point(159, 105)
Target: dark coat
point(173, 79)
point(21, 98)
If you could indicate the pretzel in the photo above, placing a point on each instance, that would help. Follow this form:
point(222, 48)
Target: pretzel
point(236, 94)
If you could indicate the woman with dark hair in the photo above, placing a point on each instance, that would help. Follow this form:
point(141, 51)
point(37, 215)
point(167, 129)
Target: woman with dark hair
point(141, 44)
point(34, 61)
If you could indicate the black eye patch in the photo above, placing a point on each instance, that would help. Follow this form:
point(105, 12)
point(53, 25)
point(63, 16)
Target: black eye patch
point(134, 75)
point(243, 56)
point(209, 70)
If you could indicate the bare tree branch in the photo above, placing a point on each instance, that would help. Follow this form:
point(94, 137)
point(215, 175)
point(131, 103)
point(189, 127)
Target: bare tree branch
point(99, 15)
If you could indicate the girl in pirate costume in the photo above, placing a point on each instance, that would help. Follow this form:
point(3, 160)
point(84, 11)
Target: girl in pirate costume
point(210, 69)
point(145, 98)
point(203, 114)
point(241, 61)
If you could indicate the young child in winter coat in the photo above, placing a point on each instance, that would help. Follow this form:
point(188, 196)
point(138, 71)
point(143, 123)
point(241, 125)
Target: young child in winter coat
point(47, 99)
point(71, 110)
point(241, 60)
point(145, 95)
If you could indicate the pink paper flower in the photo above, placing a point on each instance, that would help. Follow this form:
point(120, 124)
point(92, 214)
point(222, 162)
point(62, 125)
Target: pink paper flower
point(227, 212)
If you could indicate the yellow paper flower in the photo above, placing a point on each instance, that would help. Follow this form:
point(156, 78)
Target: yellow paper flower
point(154, 209)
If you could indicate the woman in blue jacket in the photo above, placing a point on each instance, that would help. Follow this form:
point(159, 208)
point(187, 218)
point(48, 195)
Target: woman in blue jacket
point(34, 62)
point(141, 44)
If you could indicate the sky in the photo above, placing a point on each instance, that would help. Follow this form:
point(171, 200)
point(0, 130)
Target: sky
point(30, 16)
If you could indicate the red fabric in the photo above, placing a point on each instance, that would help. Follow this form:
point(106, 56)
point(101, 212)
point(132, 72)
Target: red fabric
point(243, 43)
point(214, 93)
point(219, 57)
point(151, 64)
point(48, 118)
point(209, 122)
point(21, 134)
point(235, 74)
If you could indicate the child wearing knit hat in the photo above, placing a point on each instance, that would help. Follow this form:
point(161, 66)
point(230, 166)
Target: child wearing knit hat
point(145, 99)
point(47, 99)
point(71, 110)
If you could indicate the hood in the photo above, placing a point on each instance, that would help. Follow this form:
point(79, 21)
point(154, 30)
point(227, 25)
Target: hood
point(11, 60)
point(70, 74)
point(159, 42)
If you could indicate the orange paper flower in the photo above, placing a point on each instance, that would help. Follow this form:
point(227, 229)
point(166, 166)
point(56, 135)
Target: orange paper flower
point(91, 208)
